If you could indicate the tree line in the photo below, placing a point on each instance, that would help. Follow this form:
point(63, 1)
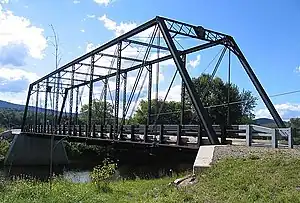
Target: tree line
point(214, 93)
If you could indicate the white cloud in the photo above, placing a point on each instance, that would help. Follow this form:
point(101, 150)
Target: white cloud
point(91, 16)
point(196, 62)
point(4, 1)
point(16, 30)
point(113, 26)
point(104, 2)
point(82, 30)
point(17, 74)
point(174, 94)
point(286, 111)
point(76, 2)
point(297, 70)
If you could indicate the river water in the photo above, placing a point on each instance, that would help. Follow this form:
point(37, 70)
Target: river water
point(82, 174)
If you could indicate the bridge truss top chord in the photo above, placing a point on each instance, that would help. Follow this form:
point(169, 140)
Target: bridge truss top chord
point(109, 67)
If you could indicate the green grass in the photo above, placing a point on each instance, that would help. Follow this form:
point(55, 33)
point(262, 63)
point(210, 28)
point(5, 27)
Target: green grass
point(272, 178)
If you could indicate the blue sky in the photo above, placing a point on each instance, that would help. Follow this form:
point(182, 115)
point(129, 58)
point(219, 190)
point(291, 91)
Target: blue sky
point(266, 31)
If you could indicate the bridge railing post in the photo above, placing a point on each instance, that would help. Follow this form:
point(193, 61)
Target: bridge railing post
point(223, 134)
point(248, 135)
point(274, 138)
point(111, 132)
point(178, 142)
point(199, 136)
point(94, 130)
point(64, 129)
point(86, 131)
point(101, 131)
point(74, 130)
point(79, 129)
point(132, 132)
point(291, 136)
point(145, 133)
point(161, 134)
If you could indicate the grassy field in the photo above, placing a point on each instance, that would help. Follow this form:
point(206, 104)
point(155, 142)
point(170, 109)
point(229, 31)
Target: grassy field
point(272, 178)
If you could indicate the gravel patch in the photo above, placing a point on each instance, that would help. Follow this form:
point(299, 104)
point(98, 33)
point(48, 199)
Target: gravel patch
point(222, 152)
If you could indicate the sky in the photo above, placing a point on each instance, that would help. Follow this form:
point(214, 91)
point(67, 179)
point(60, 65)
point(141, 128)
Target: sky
point(266, 31)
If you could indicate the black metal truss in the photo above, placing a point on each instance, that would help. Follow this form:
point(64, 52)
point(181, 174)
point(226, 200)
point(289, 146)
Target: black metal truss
point(169, 28)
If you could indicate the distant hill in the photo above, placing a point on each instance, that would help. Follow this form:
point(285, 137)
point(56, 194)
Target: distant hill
point(8, 105)
point(267, 122)
point(17, 107)
point(264, 121)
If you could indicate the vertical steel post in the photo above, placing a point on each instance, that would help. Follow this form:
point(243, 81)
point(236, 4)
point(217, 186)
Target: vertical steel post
point(229, 86)
point(117, 97)
point(57, 98)
point(182, 94)
point(105, 102)
point(77, 105)
point(36, 107)
point(26, 108)
point(89, 124)
point(157, 74)
point(200, 110)
point(124, 94)
point(149, 95)
point(71, 99)
point(46, 103)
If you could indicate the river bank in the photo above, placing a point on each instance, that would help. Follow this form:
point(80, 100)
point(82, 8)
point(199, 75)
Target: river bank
point(272, 177)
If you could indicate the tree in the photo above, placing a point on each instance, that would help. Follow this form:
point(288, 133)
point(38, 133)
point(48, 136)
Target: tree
point(97, 112)
point(213, 96)
point(170, 113)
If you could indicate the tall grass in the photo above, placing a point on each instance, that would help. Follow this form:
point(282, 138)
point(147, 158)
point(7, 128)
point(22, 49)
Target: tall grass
point(272, 178)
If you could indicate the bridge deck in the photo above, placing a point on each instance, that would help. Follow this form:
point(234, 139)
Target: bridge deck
point(178, 136)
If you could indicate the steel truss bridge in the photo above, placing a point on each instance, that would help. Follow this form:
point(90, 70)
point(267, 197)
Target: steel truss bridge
point(58, 95)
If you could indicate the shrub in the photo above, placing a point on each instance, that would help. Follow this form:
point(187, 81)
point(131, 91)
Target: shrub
point(4, 146)
point(101, 174)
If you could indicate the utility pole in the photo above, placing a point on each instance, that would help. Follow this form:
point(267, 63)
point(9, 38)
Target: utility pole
point(57, 55)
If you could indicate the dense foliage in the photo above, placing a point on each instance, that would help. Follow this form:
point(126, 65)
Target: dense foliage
point(240, 111)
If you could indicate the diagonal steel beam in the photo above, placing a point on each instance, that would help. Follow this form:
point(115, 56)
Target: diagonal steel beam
point(257, 84)
point(200, 110)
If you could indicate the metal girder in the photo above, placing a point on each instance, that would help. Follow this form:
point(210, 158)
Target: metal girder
point(91, 95)
point(46, 102)
point(146, 44)
point(164, 58)
point(81, 73)
point(97, 66)
point(26, 107)
point(279, 122)
point(118, 78)
point(124, 94)
point(200, 110)
point(149, 94)
point(62, 106)
point(182, 95)
point(109, 44)
point(36, 107)
point(123, 57)
point(71, 96)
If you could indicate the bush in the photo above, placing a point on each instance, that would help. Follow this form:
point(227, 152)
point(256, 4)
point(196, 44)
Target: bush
point(101, 174)
point(4, 146)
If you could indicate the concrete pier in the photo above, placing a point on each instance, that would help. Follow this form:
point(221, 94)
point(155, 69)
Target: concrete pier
point(28, 150)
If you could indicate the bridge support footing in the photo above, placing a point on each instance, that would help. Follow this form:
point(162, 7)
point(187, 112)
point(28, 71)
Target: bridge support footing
point(27, 150)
